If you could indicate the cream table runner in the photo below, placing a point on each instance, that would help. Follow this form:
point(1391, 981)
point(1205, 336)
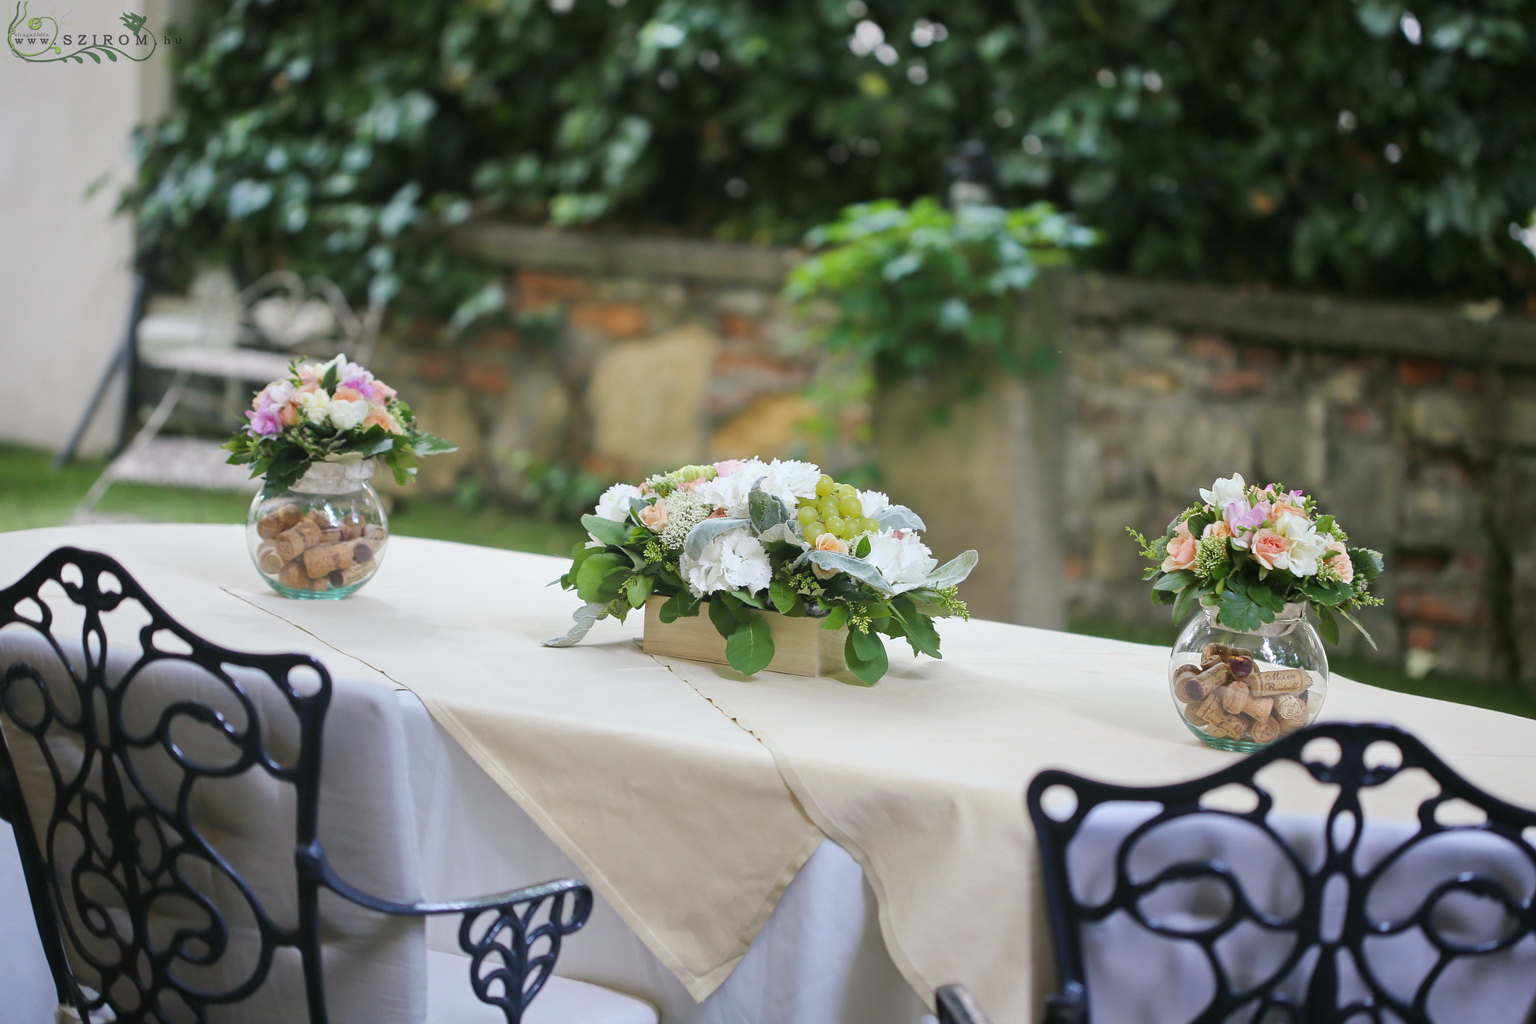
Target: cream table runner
point(674, 814)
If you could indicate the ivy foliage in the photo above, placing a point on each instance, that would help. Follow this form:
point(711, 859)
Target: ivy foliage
point(1341, 143)
point(922, 289)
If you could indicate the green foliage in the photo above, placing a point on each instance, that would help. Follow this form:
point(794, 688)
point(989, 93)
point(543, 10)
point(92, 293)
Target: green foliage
point(1345, 143)
point(919, 289)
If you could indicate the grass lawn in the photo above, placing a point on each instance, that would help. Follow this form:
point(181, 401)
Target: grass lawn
point(32, 494)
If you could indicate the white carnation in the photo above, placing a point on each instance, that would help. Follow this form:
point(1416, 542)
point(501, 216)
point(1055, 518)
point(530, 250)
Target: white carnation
point(874, 502)
point(614, 504)
point(902, 558)
point(730, 492)
point(790, 480)
point(345, 414)
point(735, 560)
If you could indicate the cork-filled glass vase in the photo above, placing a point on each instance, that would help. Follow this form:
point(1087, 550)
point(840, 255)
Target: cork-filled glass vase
point(325, 537)
point(1240, 691)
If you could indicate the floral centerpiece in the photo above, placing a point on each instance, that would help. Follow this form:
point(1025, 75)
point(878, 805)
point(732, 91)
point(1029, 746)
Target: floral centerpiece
point(318, 529)
point(743, 538)
point(1250, 551)
point(331, 412)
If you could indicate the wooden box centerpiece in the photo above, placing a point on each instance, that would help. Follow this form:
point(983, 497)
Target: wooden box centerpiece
point(800, 646)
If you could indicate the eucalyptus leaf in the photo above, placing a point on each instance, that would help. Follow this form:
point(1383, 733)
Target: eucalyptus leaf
point(584, 618)
point(855, 567)
point(765, 511)
point(953, 572)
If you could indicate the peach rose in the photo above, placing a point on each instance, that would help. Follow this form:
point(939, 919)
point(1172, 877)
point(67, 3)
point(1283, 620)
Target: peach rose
point(379, 416)
point(290, 415)
point(1283, 506)
point(654, 517)
point(1340, 563)
point(828, 542)
point(346, 394)
point(1181, 549)
point(1269, 548)
point(1217, 529)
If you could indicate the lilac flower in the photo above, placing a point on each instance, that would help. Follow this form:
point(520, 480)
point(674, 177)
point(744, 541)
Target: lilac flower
point(1244, 519)
point(264, 422)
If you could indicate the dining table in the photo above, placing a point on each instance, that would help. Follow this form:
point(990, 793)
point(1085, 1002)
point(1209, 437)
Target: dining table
point(776, 849)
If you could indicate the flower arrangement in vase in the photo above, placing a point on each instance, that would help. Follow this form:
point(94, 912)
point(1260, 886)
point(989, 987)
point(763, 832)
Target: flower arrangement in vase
point(317, 528)
point(744, 539)
point(1253, 561)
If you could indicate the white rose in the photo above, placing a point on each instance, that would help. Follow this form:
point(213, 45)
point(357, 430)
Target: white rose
point(902, 558)
point(614, 504)
point(730, 492)
point(735, 560)
point(316, 406)
point(345, 414)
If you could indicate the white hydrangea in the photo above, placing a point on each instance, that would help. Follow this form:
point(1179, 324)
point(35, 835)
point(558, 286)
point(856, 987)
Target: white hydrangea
point(902, 558)
point(735, 560)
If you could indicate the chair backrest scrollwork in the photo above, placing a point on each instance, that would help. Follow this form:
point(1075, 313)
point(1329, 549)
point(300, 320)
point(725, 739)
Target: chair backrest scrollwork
point(1239, 911)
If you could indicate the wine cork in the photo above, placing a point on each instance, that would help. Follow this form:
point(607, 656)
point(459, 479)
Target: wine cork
point(324, 518)
point(1234, 697)
point(1231, 726)
point(1192, 715)
point(325, 559)
point(1240, 665)
point(352, 526)
point(1259, 707)
point(1214, 676)
point(1189, 689)
point(267, 558)
point(276, 521)
point(294, 577)
point(1266, 730)
point(292, 542)
point(1290, 707)
point(356, 573)
point(1280, 680)
point(1211, 653)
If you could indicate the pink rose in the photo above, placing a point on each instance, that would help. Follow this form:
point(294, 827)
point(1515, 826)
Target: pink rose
point(1269, 548)
point(1181, 549)
point(1340, 562)
point(727, 467)
point(347, 394)
point(654, 517)
point(379, 416)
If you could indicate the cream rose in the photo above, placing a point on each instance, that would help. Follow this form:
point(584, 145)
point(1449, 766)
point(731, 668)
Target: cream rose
point(828, 542)
point(1270, 549)
point(654, 517)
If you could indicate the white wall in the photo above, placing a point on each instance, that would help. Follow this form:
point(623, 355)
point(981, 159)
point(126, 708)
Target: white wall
point(64, 259)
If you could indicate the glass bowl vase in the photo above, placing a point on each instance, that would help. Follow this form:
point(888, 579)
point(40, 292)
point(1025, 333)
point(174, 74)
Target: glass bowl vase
point(324, 537)
point(1241, 690)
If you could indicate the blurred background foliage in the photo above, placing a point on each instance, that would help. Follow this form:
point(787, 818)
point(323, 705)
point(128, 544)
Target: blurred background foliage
point(1357, 145)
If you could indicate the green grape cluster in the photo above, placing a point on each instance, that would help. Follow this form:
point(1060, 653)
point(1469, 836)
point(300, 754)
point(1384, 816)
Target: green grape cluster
point(836, 509)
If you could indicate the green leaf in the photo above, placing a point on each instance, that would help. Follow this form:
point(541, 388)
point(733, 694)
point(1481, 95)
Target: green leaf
point(1327, 624)
point(678, 606)
point(606, 530)
point(750, 648)
point(707, 531)
point(953, 572)
point(1240, 610)
point(865, 655)
point(583, 620)
point(837, 618)
point(917, 628)
point(765, 511)
point(725, 619)
point(638, 589)
point(1176, 580)
point(601, 577)
point(1367, 563)
point(1185, 602)
point(331, 378)
point(1363, 631)
point(784, 597)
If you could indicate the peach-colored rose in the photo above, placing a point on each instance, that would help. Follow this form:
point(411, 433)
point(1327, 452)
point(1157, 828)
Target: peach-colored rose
point(1268, 547)
point(1340, 562)
point(828, 542)
point(290, 415)
point(1217, 529)
point(1285, 506)
point(346, 394)
point(379, 416)
point(1181, 549)
point(654, 517)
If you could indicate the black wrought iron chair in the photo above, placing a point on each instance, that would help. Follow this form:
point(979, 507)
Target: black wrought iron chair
point(1306, 918)
point(165, 794)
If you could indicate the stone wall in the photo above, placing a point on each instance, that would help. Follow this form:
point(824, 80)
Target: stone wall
point(1415, 425)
